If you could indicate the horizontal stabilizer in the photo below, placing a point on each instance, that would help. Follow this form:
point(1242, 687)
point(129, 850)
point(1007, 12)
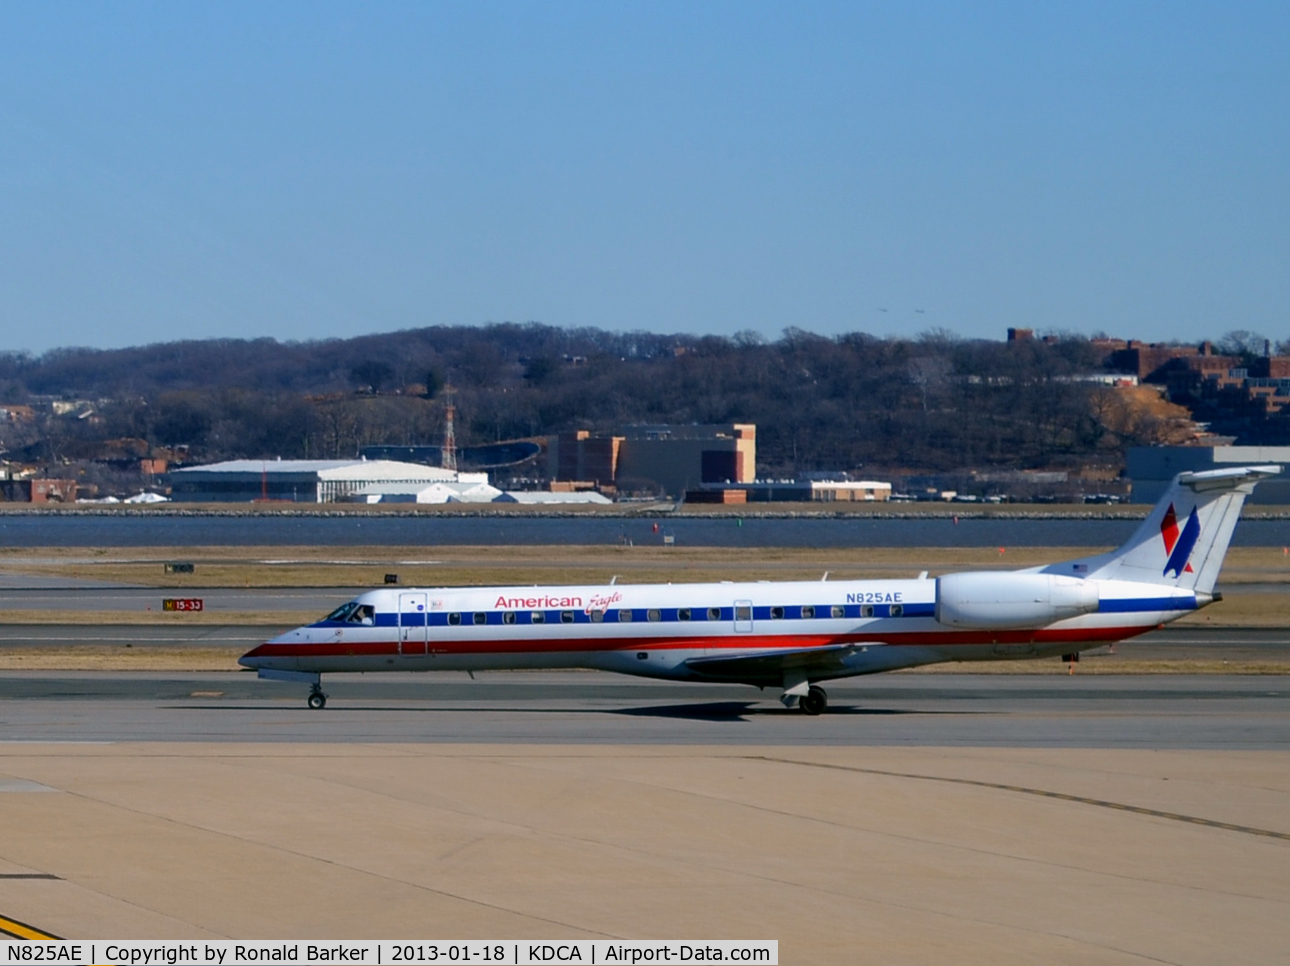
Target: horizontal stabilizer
point(1184, 538)
point(771, 665)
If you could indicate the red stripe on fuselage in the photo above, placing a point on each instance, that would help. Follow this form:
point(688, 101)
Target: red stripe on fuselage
point(741, 642)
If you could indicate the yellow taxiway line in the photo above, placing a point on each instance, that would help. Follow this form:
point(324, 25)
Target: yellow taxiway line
point(20, 930)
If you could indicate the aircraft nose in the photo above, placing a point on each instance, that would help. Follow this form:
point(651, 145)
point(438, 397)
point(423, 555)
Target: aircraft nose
point(253, 658)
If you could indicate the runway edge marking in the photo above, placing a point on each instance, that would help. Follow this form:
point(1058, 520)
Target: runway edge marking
point(1041, 792)
point(20, 930)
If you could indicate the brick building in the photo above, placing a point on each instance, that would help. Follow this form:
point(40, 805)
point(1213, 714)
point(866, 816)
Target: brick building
point(671, 458)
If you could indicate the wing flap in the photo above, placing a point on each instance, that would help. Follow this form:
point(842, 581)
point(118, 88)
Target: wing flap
point(772, 665)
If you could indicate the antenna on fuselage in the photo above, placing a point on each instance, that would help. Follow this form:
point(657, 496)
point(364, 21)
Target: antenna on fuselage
point(826, 576)
point(613, 580)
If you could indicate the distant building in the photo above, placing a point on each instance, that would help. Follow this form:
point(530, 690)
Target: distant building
point(723, 495)
point(583, 458)
point(851, 491)
point(670, 458)
point(38, 491)
point(1151, 468)
point(300, 481)
point(1152, 362)
point(547, 498)
point(461, 491)
point(794, 491)
point(12, 413)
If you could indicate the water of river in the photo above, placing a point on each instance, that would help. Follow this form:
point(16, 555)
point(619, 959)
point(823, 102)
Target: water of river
point(343, 531)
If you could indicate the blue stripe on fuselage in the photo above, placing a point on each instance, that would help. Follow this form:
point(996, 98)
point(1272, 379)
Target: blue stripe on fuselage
point(698, 615)
point(1130, 605)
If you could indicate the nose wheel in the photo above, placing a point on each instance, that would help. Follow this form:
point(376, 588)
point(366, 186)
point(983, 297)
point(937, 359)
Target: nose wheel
point(814, 701)
point(317, 700)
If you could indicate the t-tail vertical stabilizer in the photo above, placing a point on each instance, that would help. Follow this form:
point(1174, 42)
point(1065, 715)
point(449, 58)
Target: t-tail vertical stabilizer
point(1184, 538)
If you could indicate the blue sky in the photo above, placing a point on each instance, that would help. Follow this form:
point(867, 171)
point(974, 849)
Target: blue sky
point(323, 169)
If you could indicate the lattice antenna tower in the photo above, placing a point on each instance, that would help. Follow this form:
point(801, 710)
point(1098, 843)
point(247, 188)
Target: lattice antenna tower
point(449, 460)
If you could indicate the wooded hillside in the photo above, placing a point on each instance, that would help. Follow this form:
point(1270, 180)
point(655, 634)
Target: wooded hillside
point(929, 403)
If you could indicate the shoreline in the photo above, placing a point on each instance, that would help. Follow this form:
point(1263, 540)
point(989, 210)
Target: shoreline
point(761, 511)
point(658, 510)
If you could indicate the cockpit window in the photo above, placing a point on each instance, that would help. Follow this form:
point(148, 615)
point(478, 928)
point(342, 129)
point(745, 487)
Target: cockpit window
point(342, 612)
point(353, 613)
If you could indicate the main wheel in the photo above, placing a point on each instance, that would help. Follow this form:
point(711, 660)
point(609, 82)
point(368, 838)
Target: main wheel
point(814, 701)
point(317, 700)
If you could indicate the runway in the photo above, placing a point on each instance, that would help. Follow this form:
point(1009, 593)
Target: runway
point(64, 595)
point(1246, 712)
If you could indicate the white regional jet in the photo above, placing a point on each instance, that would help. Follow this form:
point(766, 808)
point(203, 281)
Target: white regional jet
point(789, 635)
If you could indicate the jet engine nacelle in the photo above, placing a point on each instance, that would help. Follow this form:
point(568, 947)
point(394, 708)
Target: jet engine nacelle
point(1009, 600)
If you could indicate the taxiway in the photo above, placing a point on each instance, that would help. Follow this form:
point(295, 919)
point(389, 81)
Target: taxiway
point(984, 710)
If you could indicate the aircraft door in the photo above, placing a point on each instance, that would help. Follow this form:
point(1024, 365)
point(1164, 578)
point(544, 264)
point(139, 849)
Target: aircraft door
point(743, 617)
point(414, 630)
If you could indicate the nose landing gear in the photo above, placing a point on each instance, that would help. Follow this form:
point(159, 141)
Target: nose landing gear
point(317, 700)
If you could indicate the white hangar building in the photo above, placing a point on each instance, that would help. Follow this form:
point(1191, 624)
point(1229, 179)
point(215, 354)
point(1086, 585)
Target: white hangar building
point(467, 489)
point(301, 481)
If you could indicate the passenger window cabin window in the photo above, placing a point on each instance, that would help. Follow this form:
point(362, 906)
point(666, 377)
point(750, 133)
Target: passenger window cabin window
point(838, 611)
point(566, 617)
point(897, 610)
point(625, 616)
point(866, 610)
point(683, 614)
point(539, 617)
point(653, 614)
point(596, 616)
point(480, 617)
point(714, 613)
point(777, 613)
point(808, 612)
point(454, 619)
point(508, 617)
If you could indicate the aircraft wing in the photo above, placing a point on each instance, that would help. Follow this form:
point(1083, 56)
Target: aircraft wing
point(770, 666)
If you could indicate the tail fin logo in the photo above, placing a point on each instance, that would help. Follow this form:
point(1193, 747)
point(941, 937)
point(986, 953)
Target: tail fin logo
point(1179, 545)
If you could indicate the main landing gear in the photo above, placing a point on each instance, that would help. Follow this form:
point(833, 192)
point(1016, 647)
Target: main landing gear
point(814, 701)
point(318, 700)
point(808, 698)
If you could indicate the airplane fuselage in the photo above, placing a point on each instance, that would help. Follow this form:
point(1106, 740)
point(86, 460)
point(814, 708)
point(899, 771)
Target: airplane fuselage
point(791, 634)
point(666, 630)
